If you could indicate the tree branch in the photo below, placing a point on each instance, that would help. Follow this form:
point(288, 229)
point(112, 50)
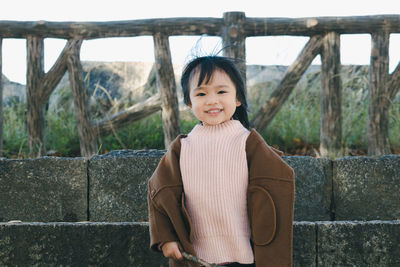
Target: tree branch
point(394, 82)
point(55, 74)
point(129, 115)
point(293, 74)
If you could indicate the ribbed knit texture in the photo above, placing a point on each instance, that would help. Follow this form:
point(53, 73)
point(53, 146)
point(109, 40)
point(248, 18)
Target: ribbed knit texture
point(215, 179)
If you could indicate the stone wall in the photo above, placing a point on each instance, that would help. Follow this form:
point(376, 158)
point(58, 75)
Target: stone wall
point(347, 211)
point(367, 188)
point(44, 189)
point(343, 243)
point(113, 188)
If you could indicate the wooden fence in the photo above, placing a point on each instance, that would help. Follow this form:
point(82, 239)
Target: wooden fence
point(233, 28)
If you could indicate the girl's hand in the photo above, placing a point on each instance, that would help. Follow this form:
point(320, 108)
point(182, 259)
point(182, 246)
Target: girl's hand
point(172, 250)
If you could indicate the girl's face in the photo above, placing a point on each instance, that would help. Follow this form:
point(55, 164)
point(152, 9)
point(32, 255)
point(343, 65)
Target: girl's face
point(215, 102)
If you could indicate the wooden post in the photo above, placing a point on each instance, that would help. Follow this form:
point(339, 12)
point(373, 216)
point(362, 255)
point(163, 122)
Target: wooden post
point(87, 133)
point(293, 74)
point(331, 97)
point(1, 98)
point(379, 96)
point(36, 122)
point(167, 88)
point(39, 87)
point(234, 39)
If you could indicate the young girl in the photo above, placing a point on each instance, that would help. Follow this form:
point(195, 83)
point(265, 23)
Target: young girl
point(221, 193)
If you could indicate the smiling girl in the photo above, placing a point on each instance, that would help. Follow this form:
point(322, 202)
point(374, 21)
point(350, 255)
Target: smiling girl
point(220, 192)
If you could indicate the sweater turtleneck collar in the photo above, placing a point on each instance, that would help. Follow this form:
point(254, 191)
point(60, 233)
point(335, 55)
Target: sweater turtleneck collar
point(228, 127)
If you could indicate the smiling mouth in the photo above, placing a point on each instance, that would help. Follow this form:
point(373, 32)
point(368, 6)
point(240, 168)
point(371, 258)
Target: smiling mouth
point(213, 111)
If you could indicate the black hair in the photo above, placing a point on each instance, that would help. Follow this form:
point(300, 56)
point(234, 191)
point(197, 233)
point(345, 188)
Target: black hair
point(206, 66)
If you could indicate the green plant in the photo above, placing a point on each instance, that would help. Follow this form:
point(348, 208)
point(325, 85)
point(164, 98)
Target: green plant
point(296, 126)
point(15, 135)
point(144, 134)
point(62, 133)
point(297, 121)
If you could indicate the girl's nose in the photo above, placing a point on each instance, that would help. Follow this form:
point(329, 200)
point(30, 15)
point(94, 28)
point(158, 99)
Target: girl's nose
point(212, 100)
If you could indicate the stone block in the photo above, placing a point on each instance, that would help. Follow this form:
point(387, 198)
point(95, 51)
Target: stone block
point(77, 244)
point(357, 243)
point(106, 244)
point(367, 188)
point(313, 188)
point(304, 249)
point(118, 185)
point(44, 190)
point(345, 243)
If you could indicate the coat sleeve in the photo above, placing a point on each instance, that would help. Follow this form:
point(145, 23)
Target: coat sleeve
point(271, 203)
point(164, 182)
point(161, 228)
point(168, 221)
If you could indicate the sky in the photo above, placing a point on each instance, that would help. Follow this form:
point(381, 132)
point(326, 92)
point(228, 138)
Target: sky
point(355, 49)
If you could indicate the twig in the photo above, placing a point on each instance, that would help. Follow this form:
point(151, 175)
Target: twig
point(190, 257)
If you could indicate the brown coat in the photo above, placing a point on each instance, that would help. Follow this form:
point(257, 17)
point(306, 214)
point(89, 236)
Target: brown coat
point(270, 200)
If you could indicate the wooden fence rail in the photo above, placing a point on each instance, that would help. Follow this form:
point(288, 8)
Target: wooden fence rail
point(233, 28)
point(197, 26)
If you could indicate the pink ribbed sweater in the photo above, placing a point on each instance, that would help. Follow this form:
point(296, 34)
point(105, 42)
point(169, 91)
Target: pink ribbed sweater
point(215, 179)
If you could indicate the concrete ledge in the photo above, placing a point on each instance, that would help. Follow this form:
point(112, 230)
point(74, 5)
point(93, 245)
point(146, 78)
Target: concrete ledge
point(367, 188)
point(118, 185)
point(76, 244)
point(313, 185)
point(44, 189)
point(113, 188)
point(354, 188)
point(372, 243)
point(304, 246)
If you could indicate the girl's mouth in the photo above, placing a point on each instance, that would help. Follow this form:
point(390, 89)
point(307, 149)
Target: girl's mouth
point(213, 111)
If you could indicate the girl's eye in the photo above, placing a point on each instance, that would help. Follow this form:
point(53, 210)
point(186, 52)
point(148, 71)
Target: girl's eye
point(221, 92)
point(201, 94)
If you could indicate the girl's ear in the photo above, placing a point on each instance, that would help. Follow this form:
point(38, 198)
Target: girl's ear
point(238, 103)
point(188, 102)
